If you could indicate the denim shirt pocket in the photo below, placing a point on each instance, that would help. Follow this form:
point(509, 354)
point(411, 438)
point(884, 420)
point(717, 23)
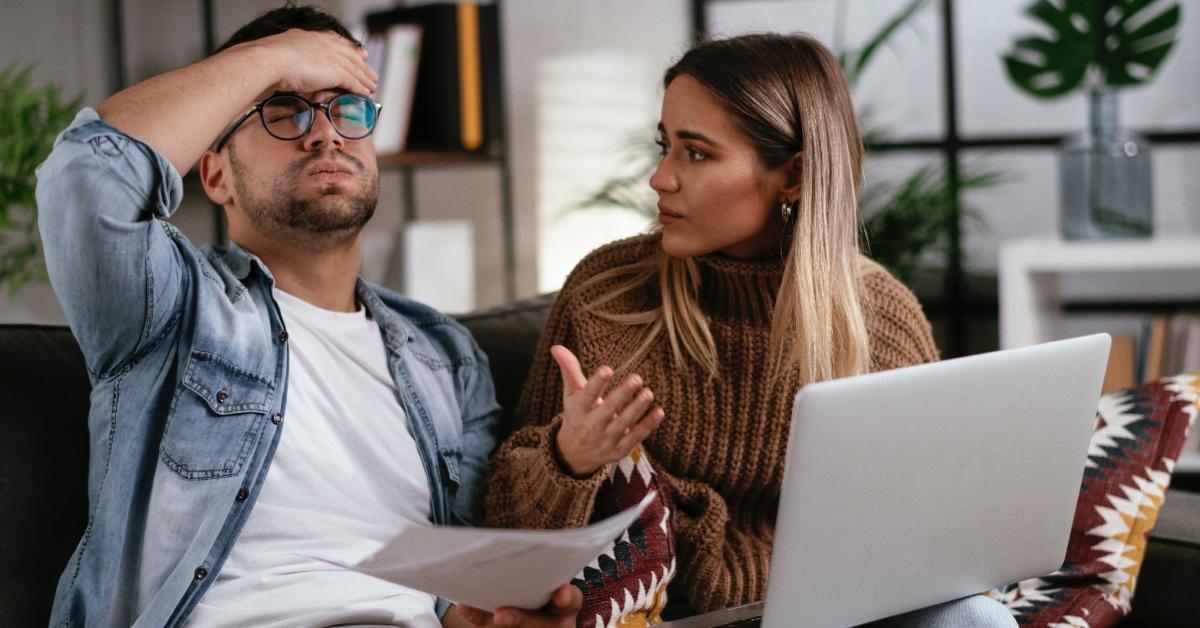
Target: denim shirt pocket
point(217, 414)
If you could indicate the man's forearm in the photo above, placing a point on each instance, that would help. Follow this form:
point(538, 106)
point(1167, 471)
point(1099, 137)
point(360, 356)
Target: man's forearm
point(180, 112)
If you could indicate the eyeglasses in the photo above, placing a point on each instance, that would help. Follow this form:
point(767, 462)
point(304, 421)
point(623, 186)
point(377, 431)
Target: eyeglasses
point(289, 117)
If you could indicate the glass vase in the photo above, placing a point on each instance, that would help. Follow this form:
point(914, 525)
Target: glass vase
point(1106, 184)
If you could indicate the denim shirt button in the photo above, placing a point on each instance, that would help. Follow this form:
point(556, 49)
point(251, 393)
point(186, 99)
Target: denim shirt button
point(201, 573)
point(283, 336)
point(222, 396)
point(242, 494)
point(277, 419)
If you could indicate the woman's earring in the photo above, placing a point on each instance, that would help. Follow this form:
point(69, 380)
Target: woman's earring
point(786, 209)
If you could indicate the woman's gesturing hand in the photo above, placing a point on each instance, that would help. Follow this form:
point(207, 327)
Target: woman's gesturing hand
point(597, 430)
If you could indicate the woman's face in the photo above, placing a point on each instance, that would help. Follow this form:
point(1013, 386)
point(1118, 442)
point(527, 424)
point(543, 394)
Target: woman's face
point(714, 195)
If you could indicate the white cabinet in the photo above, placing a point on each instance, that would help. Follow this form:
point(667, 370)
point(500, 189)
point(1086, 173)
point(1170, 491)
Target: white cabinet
point(1032, 273)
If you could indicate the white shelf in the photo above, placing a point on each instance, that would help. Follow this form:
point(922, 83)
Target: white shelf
point(1031, 272)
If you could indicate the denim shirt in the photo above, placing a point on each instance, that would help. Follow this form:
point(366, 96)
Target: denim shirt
point(187, 355)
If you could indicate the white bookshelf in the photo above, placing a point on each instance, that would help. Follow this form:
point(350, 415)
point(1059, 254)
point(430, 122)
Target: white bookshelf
point(1032, 274)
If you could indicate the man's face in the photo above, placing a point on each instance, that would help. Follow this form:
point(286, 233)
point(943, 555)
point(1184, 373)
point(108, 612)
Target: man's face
point(315, 192)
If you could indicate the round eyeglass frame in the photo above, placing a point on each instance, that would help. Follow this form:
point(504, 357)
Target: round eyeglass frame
point(259, 106)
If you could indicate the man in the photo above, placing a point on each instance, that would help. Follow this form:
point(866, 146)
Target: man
point(259, 414)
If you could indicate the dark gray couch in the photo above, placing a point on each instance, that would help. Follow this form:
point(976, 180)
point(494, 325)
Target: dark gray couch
point(43, 467)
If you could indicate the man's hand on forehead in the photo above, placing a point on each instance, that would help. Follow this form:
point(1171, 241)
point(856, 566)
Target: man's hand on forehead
point(211, 92)
point(315, 62)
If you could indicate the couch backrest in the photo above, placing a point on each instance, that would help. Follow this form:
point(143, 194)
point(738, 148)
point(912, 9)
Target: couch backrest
point(44, 448)
point(508, 335)
point(43, 466)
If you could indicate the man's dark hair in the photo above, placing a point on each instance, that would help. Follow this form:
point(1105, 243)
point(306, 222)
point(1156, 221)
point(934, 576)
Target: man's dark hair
point(287, 17)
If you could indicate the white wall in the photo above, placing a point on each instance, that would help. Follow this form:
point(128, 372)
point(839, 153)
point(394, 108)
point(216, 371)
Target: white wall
point(643, 37)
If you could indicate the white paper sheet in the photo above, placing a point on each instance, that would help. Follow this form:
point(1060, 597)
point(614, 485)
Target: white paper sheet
point(488, 568)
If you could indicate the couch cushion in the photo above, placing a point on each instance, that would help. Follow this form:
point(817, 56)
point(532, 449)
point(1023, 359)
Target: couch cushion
point(626, 585)
point(43, 466)
point(1138, 436)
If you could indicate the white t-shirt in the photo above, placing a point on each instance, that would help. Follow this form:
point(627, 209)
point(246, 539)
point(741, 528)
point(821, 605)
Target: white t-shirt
point(345, 477)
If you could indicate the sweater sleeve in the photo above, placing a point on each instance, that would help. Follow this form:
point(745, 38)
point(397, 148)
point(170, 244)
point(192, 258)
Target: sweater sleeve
point(900, 335)
point(527, 488)
point(727, 566)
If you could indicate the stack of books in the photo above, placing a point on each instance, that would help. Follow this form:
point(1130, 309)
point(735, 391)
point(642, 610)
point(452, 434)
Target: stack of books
point(439, 76)
point(1169, 344)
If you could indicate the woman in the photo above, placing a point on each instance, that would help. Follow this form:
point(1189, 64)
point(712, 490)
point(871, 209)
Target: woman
point(751, 287)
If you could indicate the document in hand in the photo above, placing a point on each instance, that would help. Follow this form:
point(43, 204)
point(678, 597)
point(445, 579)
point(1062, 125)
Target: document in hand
point(488, 568)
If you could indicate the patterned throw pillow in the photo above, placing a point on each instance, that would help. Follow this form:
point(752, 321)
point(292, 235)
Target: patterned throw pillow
point(626, 586)
point(1139, 434)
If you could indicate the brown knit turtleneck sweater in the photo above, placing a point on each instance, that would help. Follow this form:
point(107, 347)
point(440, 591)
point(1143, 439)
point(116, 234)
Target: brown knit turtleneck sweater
point(722, 443)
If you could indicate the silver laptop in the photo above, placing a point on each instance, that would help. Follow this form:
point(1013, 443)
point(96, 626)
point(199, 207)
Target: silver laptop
point(912, 487)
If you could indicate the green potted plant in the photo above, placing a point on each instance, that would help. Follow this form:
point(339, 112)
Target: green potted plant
point(30, 119)
point(1100, 46)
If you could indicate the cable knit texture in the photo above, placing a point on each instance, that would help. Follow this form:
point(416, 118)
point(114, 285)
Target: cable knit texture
point(723, 441)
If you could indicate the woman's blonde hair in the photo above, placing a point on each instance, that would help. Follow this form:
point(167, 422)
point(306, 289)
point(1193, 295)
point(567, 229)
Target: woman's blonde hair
point(787, 95)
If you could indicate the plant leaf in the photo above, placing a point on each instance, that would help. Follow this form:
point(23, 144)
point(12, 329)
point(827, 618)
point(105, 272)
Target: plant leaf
point(1145, 46)
point(1080, 37)
point(885, 32)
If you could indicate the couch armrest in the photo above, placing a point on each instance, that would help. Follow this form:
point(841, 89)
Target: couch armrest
point(1179, 520)
point(1170, 576)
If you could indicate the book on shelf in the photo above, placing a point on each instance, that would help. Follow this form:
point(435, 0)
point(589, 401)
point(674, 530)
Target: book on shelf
point(1182, 355)
point(393, 52)
point(1172, 344)
point(456, 95)
point(1154, 338)
point(1189, 352)
point(1120, 372)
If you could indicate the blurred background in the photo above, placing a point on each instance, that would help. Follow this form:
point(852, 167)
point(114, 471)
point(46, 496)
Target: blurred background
point(975, 114)
point(1032, 173)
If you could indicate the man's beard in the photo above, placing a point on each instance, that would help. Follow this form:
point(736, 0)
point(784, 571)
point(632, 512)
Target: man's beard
point(322, 221)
